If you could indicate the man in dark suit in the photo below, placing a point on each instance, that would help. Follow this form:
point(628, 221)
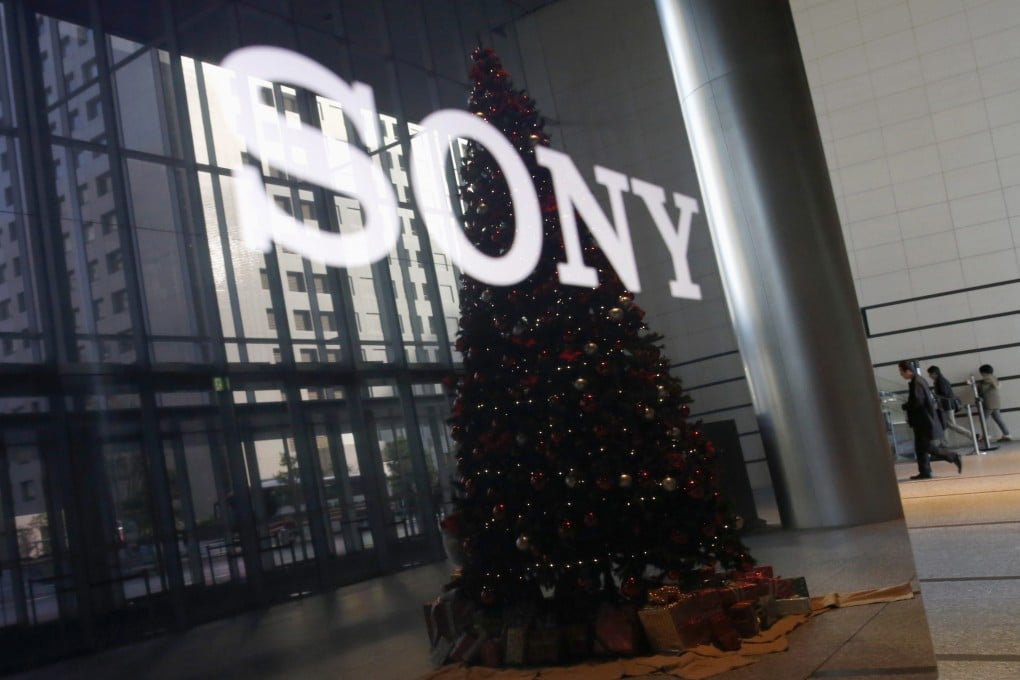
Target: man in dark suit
point(923, 418)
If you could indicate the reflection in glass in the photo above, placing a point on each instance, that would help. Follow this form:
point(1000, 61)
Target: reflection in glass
point(94, 255)
point(127, 513)
point(80, 116)
point(342, 487)
point(432, 410)
point(19, 312)
point(27, 567)
point(146, 105)
point(199, 484)
point(278, 502)
point(68, 55)
point(6, 79)
point(158, 216)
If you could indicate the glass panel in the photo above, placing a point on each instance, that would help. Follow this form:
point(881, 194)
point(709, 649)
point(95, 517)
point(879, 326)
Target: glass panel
point(315, 326)
point(200, 485)
point(20, 340)
point(278, 503)
point(6, 78)
point(349, 217)
point(68, 55)
point(134, 531)
point(404, 491)
point(27, 574)
point(81, 117)
point(146, 105)
point(122, 48)
point(195, 109)
point(94, 254)
point(209, 188)
point(432, 410)
point(163, 267)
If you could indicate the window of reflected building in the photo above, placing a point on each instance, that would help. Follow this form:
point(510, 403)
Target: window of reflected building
point(209, 425)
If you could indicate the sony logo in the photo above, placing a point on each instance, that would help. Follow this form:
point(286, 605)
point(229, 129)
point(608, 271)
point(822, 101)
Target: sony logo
point(305, 152)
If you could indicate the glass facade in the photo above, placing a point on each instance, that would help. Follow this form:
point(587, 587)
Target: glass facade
point(188, 426)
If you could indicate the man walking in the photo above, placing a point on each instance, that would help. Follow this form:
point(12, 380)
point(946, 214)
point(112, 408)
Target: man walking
point(923, 418)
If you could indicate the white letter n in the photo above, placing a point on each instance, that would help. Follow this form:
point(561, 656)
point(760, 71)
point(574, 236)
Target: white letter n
point(573, 194)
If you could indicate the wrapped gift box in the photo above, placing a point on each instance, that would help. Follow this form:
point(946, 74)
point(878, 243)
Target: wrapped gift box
point(793, 605)
point(617, 630)
point(544, 646)
point(744, 618)
point(490, 653)
point(515, 644)
point(577, 640)
point(791, 587)
point(466, 648)
point(663, 624)
point(724, 634)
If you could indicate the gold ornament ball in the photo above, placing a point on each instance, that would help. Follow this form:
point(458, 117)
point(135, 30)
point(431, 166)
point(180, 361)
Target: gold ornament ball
point(626, 480)
point(616, 313)
point(580, 384)
point(669, 484)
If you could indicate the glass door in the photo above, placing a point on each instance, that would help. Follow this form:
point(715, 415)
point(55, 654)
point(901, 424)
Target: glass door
point(29, 568)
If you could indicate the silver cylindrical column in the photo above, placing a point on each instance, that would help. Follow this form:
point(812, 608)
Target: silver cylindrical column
point(772, 214)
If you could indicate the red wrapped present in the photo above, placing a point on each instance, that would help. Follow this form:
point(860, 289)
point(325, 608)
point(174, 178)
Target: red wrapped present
point(791, 587)
point(695, 631)
point(617, 630)
point(744, 618)
point(724, 634)
point(544, 646)
point(490, 653)
point(577, 640)
point(515, 644)
point(710, 599)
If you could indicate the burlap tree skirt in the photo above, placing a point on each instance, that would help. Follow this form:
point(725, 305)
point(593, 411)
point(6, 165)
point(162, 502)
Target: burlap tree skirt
point(700, 662)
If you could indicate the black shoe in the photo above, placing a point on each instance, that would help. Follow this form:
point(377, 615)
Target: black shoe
point(958, 462)
point(920, 476)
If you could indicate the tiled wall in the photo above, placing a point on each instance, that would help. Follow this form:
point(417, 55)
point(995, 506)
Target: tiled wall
point(918, 103)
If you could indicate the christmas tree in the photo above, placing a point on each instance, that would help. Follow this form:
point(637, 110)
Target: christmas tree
point(581, 477)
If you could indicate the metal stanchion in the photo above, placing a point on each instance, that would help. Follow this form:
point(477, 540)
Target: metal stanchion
point(973, 431)
point(986, 442)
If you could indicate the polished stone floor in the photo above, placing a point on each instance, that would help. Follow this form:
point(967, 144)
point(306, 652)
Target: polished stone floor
point(962, 530)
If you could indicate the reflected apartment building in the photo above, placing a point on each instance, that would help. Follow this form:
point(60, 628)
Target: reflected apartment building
point(189, 427)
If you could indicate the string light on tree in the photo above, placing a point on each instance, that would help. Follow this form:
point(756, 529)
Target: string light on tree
point(579, 472)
